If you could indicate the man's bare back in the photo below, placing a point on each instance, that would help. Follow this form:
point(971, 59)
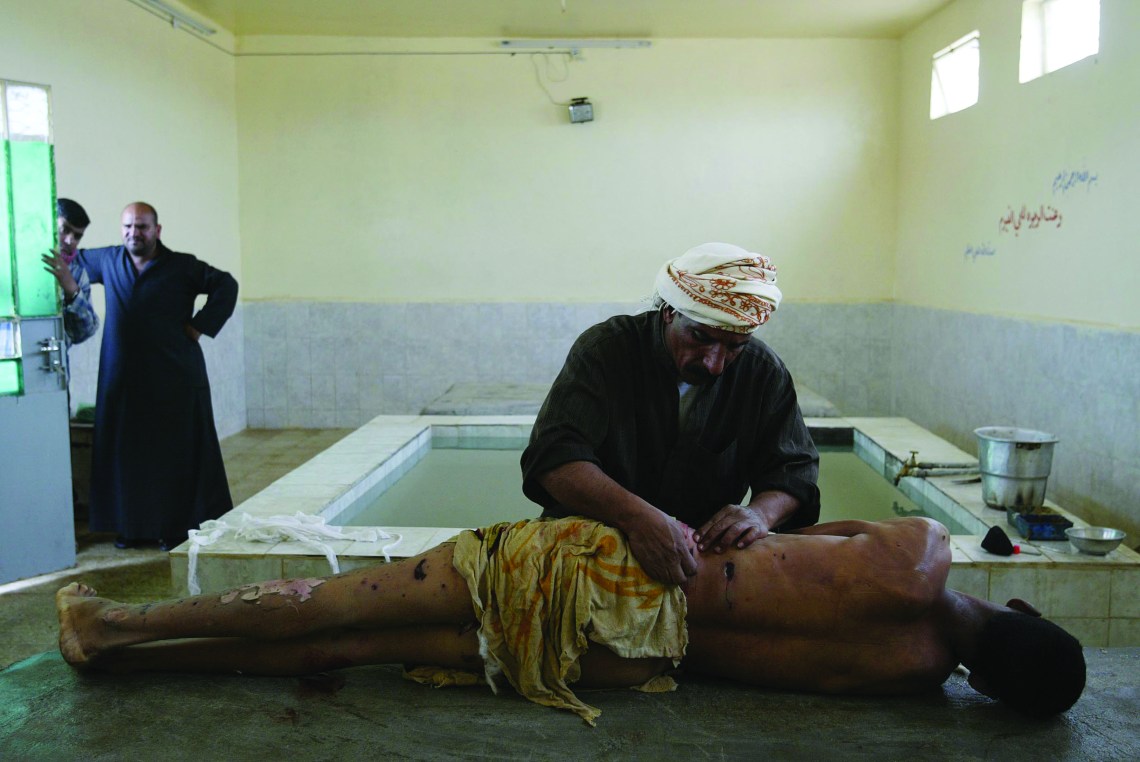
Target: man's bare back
point(848, 607)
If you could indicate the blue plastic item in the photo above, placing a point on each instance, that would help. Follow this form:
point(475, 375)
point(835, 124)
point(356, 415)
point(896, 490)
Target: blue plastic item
point(1041, 526)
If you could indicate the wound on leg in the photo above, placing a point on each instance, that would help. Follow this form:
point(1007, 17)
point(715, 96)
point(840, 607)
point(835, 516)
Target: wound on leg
point(298, 588)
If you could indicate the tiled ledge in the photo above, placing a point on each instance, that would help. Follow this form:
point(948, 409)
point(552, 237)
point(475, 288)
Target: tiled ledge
point(367, 460)
point(1095, 597)
point(886, 444)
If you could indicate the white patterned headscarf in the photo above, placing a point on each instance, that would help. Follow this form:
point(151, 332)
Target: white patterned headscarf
point(721, 285)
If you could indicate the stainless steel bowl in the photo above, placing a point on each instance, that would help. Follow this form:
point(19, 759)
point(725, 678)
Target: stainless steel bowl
point(1096, 541)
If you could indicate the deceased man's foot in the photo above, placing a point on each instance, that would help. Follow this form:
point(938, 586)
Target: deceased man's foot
point(89, 626)
point(71, 604)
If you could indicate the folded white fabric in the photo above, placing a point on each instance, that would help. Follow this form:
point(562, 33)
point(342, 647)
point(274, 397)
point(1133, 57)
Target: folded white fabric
point(307, 529)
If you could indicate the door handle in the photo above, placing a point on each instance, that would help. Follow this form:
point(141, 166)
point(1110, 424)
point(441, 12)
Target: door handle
point(52, 350)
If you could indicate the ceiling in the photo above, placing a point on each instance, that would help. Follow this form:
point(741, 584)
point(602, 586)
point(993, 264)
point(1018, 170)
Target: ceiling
point(568, 18)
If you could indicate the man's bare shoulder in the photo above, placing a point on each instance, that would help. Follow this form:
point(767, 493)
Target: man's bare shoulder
point(854, 527)
point(906, 536)
point(909, 556)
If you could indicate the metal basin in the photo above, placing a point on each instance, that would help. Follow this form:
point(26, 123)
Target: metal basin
point(1015, 465)
point(1096, 541)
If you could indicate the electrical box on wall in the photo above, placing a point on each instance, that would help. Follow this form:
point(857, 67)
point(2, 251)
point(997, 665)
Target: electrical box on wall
point(581, 110)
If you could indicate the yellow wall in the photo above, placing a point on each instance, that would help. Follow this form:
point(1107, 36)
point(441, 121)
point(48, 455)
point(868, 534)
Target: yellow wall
point(453, 178)
point(140, 111)
point(436, 178)
point(959, 175)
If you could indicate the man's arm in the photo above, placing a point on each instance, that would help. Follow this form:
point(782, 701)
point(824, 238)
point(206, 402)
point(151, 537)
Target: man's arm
point(786, 467)
point(658, 541)
point(79, 319)
point(774, 507)
point(221, 298)
point(572, 421)
point(80, 322)
point(784, 470)
point(563, 465)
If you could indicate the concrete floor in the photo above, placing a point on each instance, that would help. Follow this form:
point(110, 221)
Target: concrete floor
point(47, 711)
point(254, 460)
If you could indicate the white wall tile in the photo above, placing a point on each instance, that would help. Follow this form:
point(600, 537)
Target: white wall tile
point(1123, 633)
point(947, 371)
point(276, 417)
point(298, 392)
point(254, 390)
point(324, 418)
point(1056, 592)
point(973, 581)
point(1092, 633)
point(323, 390)
point(351, 418)
point(1125, 600)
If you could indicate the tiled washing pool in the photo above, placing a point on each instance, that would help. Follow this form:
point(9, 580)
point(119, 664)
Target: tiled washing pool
point(1095, 598)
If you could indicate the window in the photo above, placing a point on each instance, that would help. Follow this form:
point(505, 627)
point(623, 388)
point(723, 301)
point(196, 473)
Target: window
point(954, 76)
point(1056, 33)
point(27, 221)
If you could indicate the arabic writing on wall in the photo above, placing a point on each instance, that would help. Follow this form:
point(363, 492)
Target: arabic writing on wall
point(1067, 179)
point(981, 250)
point(1028, 218)
point(1032, 219)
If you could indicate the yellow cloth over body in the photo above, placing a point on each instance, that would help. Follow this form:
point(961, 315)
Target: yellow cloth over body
point(543, 589)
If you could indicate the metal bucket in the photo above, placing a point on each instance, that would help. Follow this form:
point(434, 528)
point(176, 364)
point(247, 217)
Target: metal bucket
point(1015, 465)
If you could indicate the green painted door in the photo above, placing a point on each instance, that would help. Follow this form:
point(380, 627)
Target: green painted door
point(35, 464)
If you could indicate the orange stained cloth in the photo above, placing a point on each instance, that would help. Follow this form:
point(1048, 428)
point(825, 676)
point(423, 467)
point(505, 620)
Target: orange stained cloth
point(543, 589)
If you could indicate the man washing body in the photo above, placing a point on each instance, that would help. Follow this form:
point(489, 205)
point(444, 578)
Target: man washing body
point(851, 607)
point(669, 417)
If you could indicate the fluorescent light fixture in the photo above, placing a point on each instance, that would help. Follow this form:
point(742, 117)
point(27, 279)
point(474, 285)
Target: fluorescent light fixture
point(176, 17)
point(571, 44)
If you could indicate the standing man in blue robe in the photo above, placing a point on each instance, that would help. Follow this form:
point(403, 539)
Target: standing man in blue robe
point(157, 466)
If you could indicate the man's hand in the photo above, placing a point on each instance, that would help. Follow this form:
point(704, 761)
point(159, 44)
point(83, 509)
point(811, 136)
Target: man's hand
point(662, 545)
point(663, 548)
point(736, 525)
point(192, 332)
point(55, 265)
point(742, 525)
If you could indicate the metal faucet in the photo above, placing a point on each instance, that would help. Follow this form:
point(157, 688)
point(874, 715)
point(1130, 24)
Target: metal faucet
point(914, 467)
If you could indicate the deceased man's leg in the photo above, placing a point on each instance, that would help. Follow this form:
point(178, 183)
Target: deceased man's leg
point(450, 647)
point(414, 611)
point(421, 591)
point(439, 645)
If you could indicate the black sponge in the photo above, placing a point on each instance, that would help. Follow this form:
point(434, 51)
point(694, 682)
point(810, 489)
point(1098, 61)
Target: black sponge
point(997, 542)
